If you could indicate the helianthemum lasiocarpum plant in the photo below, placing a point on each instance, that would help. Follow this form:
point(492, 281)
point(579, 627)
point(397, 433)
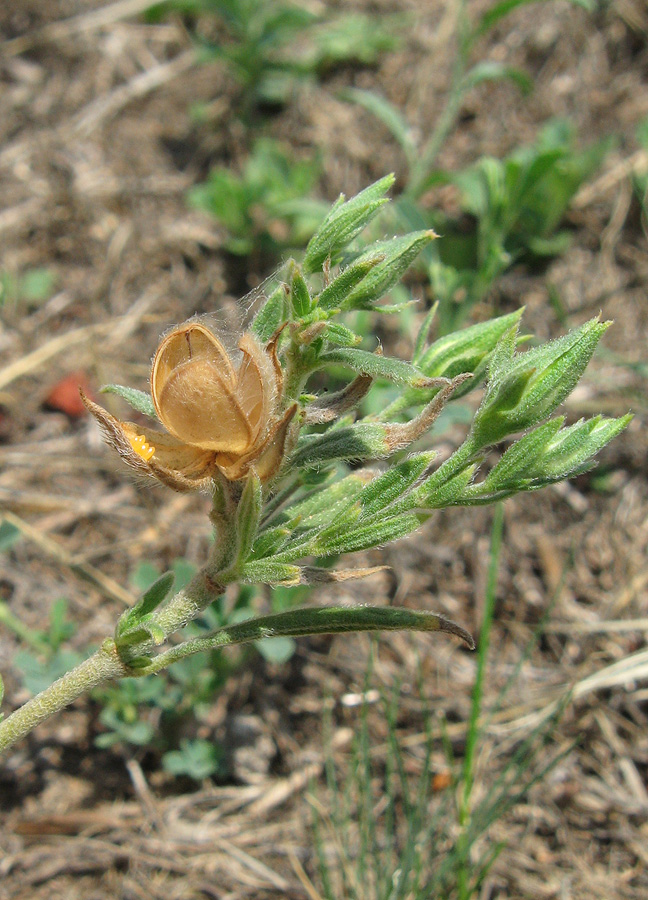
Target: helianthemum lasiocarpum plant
point(275, 457)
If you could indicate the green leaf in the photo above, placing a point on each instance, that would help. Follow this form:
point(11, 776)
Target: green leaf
point(344, 222)
point(522, 455)
point(398, 253)
point(322, 620)
point(248, 514)
point(336, 333)
point(395, 370)
point(466, 350)
point(271, 315)
point(196, 758)
point(494, 71)
point(523, 391)
point(276, 650)
point(265, 571)
point(436, 493)
point(153, 597)
point(389, 115)
point(143, 633)
point(365, 537)
point(497, 12)
point(299, 294)
point(574, 447)
point(463, 350)
point(334, 295)
point(139, 400)
point(352, 442)
point(504, 7)
point(325, 503)
point(270, 541)
point(9, 534)
point(393, 483)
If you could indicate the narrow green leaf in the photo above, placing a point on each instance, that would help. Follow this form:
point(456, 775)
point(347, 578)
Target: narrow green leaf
point(248, 514)
point(393, 483)
point(399, 254)
point(9, 534)
point(352, 442)
point(344, 222)
point(271, 315)
point(521, 456)
point(152, 598)
point(315, 510)
point(497, 12)
point(504, 7)
point(433, 494)
point(270, 541)
point(344, 521)
point(334, 294)
point(333, 515)
point(523, 391)
point(367, 536)
point(336, 333)
point(574, 447)
point(322, 620)
point(299, 294)
point(265, 571)
point(139, 400)
point(494, 71)
point(466, 350)
point(423, 334)
point(140, 635)
point(395, 370)
point(449, 355)
point(389, 115)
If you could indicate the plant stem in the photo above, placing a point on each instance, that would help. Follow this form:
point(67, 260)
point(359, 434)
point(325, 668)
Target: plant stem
point(103, 665)
point(474, 725)
point(421, 171)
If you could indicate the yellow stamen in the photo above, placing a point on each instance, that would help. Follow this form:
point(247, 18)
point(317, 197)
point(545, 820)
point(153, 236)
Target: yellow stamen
point(139, 445)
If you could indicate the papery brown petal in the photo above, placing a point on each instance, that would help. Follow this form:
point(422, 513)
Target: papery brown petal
point(271, 349)
point(313, 575)
point(331, 406)
point(189, 342)
point(180, 482)
point(199, 408)
point(265, 459)
point(175, 464)
point(116, 434)
point(256, 387)
point(399, 436)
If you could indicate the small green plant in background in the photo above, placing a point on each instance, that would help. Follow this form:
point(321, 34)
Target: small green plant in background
point(292, 473)
point(30, 288)
point(266, 209)
point(271, 48)
point(640, 178)
point(511, 211)
point(421, 155)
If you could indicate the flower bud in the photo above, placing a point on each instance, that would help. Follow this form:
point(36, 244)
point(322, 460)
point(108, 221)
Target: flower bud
point(525, 389)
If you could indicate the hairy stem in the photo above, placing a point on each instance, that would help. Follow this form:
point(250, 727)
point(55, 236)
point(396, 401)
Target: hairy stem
point(103, 665)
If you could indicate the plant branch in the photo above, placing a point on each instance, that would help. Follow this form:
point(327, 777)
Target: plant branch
point(103, 665)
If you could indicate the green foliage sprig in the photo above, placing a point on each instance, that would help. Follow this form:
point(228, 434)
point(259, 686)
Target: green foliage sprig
point(272, 448)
